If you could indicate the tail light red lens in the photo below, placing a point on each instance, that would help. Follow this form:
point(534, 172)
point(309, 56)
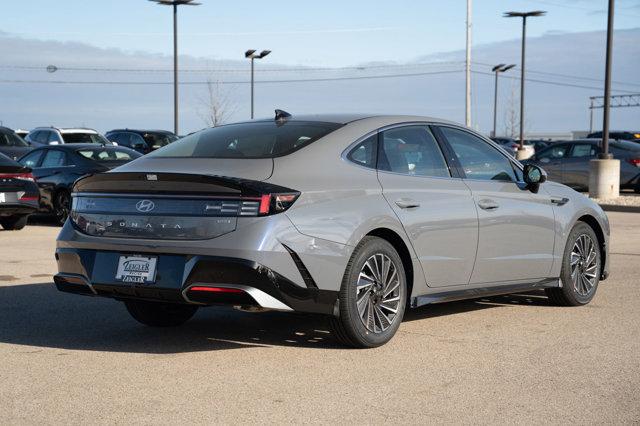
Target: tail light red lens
point(29, 197)
point(23, 176)
point(277, 203)
point(634, 161)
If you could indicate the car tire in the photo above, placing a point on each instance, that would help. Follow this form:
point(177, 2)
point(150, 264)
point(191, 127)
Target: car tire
point(581, 266)
point(62, 206)
point(363, 300)
point(14, 223)
point(160, 314)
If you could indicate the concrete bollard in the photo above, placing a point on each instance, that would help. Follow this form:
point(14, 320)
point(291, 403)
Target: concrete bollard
point(604, 178)
point(521, 154)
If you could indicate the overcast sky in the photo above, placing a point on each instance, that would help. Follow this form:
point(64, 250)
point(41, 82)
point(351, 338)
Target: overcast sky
point(327, 32)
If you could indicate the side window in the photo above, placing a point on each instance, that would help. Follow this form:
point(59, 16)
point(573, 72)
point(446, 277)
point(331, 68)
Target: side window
point(31, 160)
point(4, 140)
point(117, 138)
point(42, 136)
point(365, 153)
point(478, 159)
point(553, 153)
point(412, 150)
point(583, 150)
point(53, 138)
point(136, 140)
point(54, 158)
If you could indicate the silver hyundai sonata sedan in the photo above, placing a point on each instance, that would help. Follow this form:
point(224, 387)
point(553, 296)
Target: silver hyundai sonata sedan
point(356, 217)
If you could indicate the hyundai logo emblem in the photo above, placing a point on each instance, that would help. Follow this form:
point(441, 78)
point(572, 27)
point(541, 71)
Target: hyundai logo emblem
point(145, 206)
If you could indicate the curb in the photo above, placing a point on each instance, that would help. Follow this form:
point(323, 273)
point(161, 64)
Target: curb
point(622, 209)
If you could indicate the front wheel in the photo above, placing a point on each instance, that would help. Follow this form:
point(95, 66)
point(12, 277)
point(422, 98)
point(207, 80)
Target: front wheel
point(373, 295)
point(14, 223)
point(160, 314)
point(580, 272)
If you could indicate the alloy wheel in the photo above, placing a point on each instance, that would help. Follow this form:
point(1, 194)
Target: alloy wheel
point(378, 293)
point(584, 265)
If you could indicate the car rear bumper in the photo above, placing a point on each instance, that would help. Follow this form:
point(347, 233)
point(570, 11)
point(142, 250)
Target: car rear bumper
point(191, 279)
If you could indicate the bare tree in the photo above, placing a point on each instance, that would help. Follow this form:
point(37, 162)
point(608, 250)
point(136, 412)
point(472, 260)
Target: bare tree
point(511, 122)
point(217, 105)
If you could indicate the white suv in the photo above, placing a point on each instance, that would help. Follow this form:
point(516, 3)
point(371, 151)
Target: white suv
point(57, 136)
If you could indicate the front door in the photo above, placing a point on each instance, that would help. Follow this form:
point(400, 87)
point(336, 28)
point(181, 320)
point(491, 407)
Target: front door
point(436, 210)
point(516, 226)
point(575, 167)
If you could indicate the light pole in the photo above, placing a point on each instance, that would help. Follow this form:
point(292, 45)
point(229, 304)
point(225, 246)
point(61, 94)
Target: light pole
point(604, 173)
point(524, 16)
point(251, 54)
point(497, 69)
point(175, 4)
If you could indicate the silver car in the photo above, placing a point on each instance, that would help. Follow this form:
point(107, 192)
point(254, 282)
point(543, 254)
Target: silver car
point(351, 216)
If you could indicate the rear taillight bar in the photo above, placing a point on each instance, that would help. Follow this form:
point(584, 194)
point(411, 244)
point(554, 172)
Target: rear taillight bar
point(23, 176)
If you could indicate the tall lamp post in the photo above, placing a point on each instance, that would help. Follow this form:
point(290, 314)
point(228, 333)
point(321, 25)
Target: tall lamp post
point(524, 16)
point(251, 54)
point(175, 4)
point(604, 173)
point(498, 69)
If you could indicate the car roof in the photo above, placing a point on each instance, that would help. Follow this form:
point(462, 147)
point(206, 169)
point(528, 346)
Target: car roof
point(164, 132)
point(5, 129)
point(68, 129)
point(76, 146)
point(346, 118)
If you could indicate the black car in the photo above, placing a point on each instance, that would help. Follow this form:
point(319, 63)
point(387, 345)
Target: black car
point(618, 135)
point(567, 162)
point(18, 194)
point(12, 145)
point(57, 167)
point(143, 141)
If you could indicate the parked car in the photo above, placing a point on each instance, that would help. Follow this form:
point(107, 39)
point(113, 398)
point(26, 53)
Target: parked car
point(18, 194)
point(59, 136)
point(21, 132)
point(11, 145)
point(567, 162)
point(355, 217)
point(143, 141)
point(511, 146)
point(538, 144)
point(56, 168)
point(626, 136)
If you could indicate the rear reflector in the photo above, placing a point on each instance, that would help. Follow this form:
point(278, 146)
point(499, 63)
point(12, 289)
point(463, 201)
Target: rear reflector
point(216, 289)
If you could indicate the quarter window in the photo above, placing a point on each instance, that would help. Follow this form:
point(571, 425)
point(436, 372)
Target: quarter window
point(54, 158)
point(364, 154)
point(412, 150)
point(478, 159)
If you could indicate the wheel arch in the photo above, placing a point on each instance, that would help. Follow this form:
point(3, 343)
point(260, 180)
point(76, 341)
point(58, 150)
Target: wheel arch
point(597, 228)
point(403, 251)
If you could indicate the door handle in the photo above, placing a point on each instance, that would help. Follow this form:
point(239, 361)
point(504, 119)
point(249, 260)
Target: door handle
point(559, 201)
point(487, 204)
point(407, 203)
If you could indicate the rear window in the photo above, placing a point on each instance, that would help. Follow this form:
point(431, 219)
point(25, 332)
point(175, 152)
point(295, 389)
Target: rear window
point(262, 139)
point(83, 138)
point(158, 140)
point(103, 155)
point(10, 139)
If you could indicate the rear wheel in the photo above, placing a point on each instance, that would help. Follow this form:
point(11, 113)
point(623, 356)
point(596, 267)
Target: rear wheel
point(62, 206)
point(580, 273)
point(14, 223)
point(160, 314)
point(373, 295)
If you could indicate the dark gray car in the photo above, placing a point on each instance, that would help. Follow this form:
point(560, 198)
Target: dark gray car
point(12, 145)
point(567, 162)
point(352, 216)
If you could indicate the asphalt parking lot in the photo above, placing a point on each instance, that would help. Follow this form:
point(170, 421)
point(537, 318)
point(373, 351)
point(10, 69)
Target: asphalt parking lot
point(512, 359)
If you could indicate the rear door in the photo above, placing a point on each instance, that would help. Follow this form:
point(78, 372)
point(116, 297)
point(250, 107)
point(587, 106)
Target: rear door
point(516, 226)
point(435, 208)
point(575, 168)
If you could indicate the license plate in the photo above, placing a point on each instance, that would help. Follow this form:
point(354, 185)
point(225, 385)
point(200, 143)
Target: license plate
point(137, 269)
point(3, 197)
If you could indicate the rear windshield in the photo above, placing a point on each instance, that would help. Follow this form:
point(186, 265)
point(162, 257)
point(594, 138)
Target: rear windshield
point(83, 138)
point(6, 161)
point(11, 139)
point(104, 155)
point(262, 139)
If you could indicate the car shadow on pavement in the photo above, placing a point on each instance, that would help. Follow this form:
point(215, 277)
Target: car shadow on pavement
point(39, 315)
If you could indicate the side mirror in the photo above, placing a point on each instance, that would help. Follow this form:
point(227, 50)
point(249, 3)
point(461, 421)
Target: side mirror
point(534, 176)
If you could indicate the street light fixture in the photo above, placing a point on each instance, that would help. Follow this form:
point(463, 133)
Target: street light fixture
point(251, 54)
point(175, 4)
point(524, 16)
point(498, 69)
